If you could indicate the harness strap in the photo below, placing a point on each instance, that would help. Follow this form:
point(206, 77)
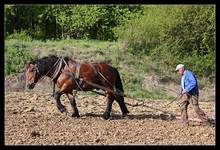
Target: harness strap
point(56, 72)
point(107, 80)
point(77, 77)
point(77, 74)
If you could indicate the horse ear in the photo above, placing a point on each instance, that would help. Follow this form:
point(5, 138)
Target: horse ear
point(27, 65)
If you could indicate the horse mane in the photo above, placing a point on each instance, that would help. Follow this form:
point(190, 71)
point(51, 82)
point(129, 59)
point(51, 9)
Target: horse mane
point(46, 61)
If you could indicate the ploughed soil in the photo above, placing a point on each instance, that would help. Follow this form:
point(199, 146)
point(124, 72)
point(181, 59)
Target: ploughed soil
point(32, 118)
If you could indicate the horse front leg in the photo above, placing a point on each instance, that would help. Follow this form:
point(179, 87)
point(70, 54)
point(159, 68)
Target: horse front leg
point(60, 107)
point(71, 97)
point(106, 114)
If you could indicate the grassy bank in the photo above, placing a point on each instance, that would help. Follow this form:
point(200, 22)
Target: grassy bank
point(132, 68)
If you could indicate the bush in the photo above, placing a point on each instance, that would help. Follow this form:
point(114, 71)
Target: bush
point(204, 66)
point(63, 21)
point(22, 35)
point(144, 32)
point(172, 35)
point(15, 59)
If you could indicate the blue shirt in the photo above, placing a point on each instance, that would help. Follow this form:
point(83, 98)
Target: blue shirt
point(190, 83)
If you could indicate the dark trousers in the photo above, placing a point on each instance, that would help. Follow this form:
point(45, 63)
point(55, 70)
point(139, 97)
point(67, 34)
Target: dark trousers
point(193, 99)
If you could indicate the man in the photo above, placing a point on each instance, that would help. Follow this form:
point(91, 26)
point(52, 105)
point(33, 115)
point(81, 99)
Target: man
point(189, 93)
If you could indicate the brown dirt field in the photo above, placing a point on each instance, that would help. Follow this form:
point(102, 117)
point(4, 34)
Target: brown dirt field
point(32, 118)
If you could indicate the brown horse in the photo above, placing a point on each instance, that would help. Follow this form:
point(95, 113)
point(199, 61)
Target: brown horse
point(70, 75)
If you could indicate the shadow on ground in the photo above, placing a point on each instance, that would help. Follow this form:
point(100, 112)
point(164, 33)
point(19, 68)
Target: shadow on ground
point(137, 116)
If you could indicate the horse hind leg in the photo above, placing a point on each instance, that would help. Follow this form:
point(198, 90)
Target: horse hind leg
point(123, 107)
point(60, 107)
point(72, 100)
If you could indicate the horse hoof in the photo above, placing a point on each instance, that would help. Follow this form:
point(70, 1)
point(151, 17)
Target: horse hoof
point(105, 116)
point(125, 116)
point(62, 109)
point(75, 115)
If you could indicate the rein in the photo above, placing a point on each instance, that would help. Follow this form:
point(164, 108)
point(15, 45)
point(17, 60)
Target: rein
point(115, 91)
point(118, 92)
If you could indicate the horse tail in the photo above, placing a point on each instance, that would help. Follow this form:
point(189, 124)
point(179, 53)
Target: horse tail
point(120, 98)
point(118, 82)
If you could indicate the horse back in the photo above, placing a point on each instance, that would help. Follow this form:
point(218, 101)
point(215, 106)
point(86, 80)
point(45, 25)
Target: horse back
point(93, 69)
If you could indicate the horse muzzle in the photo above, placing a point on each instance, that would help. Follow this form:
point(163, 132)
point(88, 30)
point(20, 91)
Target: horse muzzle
point(31, 85)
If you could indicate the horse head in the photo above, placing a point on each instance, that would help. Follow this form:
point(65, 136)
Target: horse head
point(32, 75)
point(46, 66)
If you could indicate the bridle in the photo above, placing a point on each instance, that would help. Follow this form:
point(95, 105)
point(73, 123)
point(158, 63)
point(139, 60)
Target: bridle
point(54, 75)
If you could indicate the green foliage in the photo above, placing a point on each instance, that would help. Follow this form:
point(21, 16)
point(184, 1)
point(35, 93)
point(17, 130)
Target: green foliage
point(15, 58)
point(64, 21)
point(204, 65)
point(23, 35)
point(174, 34)
point(22, 17)
point(144, 32)
point(191, 41)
